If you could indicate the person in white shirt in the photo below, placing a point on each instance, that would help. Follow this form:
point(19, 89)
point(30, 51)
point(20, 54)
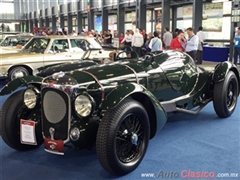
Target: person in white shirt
point(74, 33)
point(155, 43)
point(201, 37)
point(137, 42)
point(167, 38)
point(127, 39)
point(191, 45)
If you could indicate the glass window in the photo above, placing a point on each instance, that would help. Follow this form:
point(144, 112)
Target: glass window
point(37, 45)
point(112, 22)
point(60, 45)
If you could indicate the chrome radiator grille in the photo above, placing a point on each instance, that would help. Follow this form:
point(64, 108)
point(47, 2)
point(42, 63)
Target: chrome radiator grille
point(56, 113)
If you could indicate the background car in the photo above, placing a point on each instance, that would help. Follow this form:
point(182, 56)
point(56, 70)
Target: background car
point(13, 44)
point(43, 51)
point(117, 106)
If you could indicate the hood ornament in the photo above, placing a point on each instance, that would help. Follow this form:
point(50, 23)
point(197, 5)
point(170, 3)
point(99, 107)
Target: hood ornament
point(52, 131)
point(58, 75)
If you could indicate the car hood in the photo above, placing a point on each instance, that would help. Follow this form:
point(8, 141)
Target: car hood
point(105, 74)
point(69, 66)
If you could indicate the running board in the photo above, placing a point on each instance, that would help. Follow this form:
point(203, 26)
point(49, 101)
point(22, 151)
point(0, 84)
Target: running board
point(170, 106)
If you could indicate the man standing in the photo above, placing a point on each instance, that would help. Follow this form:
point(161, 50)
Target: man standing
point(108, 37)
point(137, 42)
point(237, 46)
point(167, 37)
point(155, 43)
point(191, 45)
point(201, 37)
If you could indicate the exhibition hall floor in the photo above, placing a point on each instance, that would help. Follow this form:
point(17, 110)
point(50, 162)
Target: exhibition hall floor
point(188, 146)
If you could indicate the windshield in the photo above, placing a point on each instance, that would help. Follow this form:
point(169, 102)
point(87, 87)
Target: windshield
point(94, 44)
point(13, 41)
point(36, 45)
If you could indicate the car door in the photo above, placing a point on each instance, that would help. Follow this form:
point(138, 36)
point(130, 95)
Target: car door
point(59, 52)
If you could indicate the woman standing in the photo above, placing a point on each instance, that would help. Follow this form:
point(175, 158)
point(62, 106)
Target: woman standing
point(177, 42)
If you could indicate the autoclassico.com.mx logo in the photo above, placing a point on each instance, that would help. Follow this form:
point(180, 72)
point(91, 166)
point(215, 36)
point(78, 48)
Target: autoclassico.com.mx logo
point(188, 174)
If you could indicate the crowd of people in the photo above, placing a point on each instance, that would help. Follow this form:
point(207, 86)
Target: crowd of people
point(143, 43)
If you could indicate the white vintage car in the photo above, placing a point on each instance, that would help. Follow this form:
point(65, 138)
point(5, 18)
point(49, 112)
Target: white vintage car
point(46, 50)
point(14, 43)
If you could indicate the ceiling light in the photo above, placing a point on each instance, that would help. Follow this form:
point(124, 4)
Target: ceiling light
point(218, 1)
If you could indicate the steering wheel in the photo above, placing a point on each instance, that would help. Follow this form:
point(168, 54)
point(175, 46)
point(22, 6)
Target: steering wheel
point(117, 57)
point(148, 58)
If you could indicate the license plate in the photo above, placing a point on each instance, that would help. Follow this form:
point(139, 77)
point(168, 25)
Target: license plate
point(27, 132)
point(54, 146)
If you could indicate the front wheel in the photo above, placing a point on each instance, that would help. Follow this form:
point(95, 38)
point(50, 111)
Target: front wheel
point(17, 72)
point(13, 110)
point(225, 95)
point(122, 137)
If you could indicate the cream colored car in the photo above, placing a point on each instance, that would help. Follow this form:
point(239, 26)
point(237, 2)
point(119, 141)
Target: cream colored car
point(46, 50)
point(14, 43)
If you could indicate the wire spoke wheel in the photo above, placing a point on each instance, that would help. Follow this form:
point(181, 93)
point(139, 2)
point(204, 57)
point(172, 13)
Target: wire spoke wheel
point(129, 139)
point(122, 137)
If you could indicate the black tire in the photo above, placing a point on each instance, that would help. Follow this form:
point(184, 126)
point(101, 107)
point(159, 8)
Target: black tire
point(17, 72)
point(13, 110)
point(225, 95)
point(115, 149)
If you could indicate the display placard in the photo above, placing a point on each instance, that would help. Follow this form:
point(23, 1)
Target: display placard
point(27, 132)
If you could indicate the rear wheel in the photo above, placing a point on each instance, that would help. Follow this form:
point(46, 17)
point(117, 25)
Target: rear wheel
point(17, 72)
point(13, 110)
point(122, 137)
point(225, 95)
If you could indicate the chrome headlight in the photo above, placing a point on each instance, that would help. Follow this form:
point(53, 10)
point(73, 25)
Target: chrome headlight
point(83, 105)
point(30, 98)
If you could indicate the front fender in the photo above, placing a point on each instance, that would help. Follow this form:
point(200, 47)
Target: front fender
point(222, 69)
point(157, 115)
point(16, 83)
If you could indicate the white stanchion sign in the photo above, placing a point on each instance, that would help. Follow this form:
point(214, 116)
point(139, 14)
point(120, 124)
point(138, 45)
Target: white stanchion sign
point(27, 131)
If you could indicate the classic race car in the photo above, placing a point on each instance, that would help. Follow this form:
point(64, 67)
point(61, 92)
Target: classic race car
point(117, 106)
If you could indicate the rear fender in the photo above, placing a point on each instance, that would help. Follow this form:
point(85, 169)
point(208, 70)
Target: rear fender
point(222, 69)
point(156, 114)
point(16, 83)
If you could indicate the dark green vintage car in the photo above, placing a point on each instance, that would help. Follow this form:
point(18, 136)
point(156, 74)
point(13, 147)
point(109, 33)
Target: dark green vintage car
point(117, 106)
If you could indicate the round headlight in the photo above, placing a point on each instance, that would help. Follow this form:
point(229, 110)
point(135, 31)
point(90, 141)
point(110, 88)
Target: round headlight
point(83, 105)
point(30, 98)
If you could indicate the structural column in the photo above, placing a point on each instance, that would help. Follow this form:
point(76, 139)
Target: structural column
point(79, 21)
point(69, 22)
point(31, 25)
point(165, 15)
point(104, 17)
point(174, 18)
point(140, 14)
point(27, 26)
point(120, 17)
point(54, 23)
point(62, 21)
point(197, 14)
point(47, 22)
point(90, 15)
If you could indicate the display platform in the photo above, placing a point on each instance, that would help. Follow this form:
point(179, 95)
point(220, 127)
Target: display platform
point(201, 143)
point(215, 54)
